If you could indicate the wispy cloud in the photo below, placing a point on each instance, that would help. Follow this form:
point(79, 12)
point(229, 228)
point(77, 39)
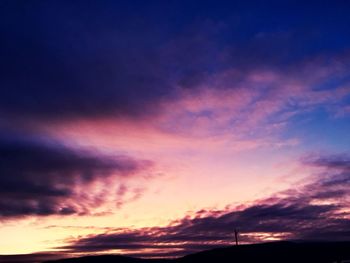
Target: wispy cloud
point(300, 213)
point(230, 109)
point(45, 178)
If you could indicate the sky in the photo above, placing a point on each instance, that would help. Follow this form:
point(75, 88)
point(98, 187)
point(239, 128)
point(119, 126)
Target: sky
point(156, 128)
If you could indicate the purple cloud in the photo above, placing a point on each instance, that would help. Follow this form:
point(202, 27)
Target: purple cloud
point(38, 178)
point(297, 214)
point(82, 68)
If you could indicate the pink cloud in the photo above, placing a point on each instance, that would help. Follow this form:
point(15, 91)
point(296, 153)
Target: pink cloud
point(201, 130)
point(297, 213)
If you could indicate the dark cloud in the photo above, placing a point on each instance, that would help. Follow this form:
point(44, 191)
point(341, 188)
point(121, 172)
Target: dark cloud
point(340, 161)
point(300, 214)
point(333, 180)
point(67, 59)
point(41, 178)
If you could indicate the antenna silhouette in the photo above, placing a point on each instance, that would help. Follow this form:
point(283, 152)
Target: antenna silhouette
point(236, 236)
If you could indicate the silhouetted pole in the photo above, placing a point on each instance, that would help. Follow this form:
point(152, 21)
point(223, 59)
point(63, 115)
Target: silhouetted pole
point(236, 236)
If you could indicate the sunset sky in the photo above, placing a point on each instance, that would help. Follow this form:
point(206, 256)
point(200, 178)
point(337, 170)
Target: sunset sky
point(155, 128)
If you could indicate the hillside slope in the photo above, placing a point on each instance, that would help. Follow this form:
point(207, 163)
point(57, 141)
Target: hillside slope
point(274, 252)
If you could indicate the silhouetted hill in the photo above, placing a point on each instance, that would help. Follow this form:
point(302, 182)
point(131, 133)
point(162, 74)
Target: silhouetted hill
point(274, 252)
point(108, 259)
point(286, 252)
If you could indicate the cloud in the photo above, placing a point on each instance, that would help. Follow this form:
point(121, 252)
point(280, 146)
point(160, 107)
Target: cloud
point(302, 213)
point(231, 110)
point(333, 177)
point(340, 161)
point(77, 67)
point(44, 178)
point(118, 66)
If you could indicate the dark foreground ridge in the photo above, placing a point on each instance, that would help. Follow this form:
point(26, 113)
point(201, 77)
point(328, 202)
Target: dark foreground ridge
point(109, 259)
point(296, 252)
